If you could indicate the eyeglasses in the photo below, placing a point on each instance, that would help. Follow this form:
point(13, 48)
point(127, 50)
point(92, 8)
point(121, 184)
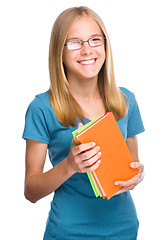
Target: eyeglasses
point(78, 44)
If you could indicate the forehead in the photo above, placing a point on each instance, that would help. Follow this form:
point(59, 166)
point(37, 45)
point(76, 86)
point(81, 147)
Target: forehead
point(83, 28)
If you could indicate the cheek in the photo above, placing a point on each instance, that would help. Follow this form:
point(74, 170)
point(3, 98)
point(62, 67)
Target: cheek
point(103, 55)
point(66, 60)
point(69, 61)
point(101, 52)
point(68, 57)
point(64, 56)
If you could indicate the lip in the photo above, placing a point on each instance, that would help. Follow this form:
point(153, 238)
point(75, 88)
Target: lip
point(87, 62)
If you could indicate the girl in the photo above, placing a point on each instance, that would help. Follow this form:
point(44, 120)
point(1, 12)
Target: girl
point(82, 87)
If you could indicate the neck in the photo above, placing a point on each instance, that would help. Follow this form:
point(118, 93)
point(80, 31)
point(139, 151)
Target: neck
point(85, 89)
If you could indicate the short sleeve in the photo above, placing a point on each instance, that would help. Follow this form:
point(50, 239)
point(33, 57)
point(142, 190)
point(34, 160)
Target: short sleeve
point(36, 122)
point(135, 124)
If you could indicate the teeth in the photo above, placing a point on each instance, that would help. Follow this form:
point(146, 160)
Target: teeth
point(88, 62)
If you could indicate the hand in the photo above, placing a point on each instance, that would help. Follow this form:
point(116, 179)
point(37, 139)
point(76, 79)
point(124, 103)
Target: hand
point(84, 157)
point(131, 183)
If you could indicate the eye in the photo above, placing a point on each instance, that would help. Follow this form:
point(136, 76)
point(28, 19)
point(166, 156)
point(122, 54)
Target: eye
point(96, 39)
point(74, 42)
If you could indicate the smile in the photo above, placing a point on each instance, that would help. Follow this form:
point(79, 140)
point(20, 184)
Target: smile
point(87, 62)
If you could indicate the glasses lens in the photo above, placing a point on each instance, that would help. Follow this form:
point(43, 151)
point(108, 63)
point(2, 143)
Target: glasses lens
point(96, 41)
point(74, 45)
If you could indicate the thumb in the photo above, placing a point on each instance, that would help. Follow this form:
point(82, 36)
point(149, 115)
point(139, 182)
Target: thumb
point(73, 141)
point(80, 125)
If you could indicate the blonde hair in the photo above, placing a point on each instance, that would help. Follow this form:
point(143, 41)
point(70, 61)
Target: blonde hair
point(64, 105)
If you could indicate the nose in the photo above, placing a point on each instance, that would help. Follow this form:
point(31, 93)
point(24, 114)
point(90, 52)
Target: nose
point(86, 49)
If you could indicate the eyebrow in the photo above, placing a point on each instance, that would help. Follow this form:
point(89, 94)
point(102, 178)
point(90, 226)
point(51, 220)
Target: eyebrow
point(77, 38)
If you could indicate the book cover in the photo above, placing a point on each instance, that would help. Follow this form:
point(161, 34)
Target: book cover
point(115, 158)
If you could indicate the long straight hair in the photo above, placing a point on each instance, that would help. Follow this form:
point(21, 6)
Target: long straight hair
point(63, 103)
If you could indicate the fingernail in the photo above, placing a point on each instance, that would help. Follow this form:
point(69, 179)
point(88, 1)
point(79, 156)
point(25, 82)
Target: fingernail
point(80, 125)
point(116, 183)
point(99, 153)
point(132, 165)
point(93, 144)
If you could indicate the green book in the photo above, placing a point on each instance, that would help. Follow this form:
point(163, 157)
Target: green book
point(91, 179)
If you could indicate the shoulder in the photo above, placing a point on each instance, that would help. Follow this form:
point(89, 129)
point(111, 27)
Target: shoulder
point(134, 120)
point(39, 106)
point(36, 120)
point(132, 104)
point(129, 95)
point(40, 101)
point(43, 99)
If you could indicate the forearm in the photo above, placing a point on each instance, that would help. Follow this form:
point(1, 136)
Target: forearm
point(40, 185)
point(132, 144)
point(82, 158)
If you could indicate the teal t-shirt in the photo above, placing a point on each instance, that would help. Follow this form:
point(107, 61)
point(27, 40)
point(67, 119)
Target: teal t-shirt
point(75, 211)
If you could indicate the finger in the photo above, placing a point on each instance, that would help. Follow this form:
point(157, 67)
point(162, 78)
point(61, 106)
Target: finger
point(119, 191)
point(89, 154)
point(73, 143)
point(125, 189)
point(122, 189)
point(122, 183)
point(84, 147)
point(128, 183)
point(137, 165)
point(93, 167)
point(91, 161)
point(141, 176)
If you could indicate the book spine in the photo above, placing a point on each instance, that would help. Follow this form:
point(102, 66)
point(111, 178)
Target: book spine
point(98, 183)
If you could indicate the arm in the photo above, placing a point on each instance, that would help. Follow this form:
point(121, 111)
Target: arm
point(39, 184)
point(132, 144)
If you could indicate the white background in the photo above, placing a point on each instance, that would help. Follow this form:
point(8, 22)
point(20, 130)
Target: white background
point(138, 33)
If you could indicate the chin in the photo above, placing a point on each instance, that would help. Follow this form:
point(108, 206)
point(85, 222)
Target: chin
point(90, 75)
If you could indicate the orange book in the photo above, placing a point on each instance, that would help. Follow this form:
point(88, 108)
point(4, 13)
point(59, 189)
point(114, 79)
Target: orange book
point(115, 157)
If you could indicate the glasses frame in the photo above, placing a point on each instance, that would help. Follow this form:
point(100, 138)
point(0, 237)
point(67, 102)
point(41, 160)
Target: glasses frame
point(88, 41)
